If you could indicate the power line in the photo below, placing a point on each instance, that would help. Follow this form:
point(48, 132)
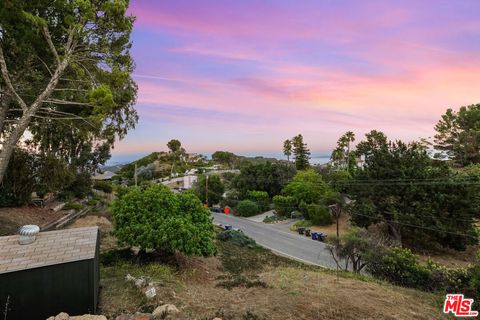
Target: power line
point(417, 226)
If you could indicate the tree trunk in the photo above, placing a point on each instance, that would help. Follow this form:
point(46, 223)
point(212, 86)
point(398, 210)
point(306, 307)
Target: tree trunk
point(22, 125)
point(392, 230)
point(11, 142)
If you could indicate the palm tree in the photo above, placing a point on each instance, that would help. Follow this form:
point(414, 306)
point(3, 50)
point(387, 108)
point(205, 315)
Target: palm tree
point(287, 149)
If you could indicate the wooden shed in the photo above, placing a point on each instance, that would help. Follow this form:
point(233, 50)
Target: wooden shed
point(57, 272)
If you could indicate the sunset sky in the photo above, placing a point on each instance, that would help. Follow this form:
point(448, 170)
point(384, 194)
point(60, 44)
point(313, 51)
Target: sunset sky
point(245, 75)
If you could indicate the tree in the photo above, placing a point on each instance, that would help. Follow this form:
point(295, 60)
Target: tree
point(247, 208)
point(419, 199)
point(156, 218)
point(352, 249)
point(307, 186)
point(174, 146)
point(268, 177)
point(301, 152)
point(30, 172)
point(176, 150)
point(261, 198)
point(287, 149)
point(215, 188)
point(283, 204)
point(341, 156)
point(319, 215)
point(65, 65)
point(225, 158)
point(458, 134)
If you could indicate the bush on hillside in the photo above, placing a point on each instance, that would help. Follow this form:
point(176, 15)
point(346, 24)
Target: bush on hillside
point(319, 215)
point(401, 267)
point(261, 198)
point(156, 218)
point(247, 208)
point(236, 237)
point(284, 204)
point(103, 186)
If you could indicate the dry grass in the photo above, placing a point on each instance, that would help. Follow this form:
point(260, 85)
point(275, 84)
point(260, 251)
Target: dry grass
point(343, 225)
point(13, 218)
point(291, 290)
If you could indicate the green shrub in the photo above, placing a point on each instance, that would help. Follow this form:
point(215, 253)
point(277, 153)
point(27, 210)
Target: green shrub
point(261, 198)
point(319, 215)
point(400, 266)
point(236, 237)
point(80, 187)
point(283, 204)
point(72, 205)
point(274, 218)
point(301, 224)
point(103, 186)
point(247, 208)
point(156, 218)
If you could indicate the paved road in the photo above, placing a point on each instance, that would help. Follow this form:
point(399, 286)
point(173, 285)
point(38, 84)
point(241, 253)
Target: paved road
point(284, 243)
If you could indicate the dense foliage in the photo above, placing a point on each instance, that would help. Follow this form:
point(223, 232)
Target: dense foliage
point(307, 187)
point(215, 189)
point(458, 135)
point(284, 205)
point(70, 68)
point(419, 199)
point(301, 153)
point(268, 177)
point(261, 198)
point(29, 172)
point(401, 267)
point(104, 186)
point(156, 218)
point(318, 214)
point(247, 208)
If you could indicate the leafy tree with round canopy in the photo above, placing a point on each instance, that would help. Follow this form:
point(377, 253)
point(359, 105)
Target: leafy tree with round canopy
point(156, 218)
point(307, 186)
point(174, 145)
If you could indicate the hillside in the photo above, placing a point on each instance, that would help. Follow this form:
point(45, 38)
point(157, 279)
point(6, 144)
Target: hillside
point(251, 283)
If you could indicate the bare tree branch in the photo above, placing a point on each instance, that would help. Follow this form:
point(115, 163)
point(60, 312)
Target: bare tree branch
point(6, 78)
point(43, 62)
point(47, 36)
point(58, 101)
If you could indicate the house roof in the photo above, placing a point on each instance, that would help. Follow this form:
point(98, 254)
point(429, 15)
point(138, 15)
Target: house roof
point(49, 248)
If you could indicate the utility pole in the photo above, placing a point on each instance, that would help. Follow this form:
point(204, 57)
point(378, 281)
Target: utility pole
point(135, 175)
point(206, 189)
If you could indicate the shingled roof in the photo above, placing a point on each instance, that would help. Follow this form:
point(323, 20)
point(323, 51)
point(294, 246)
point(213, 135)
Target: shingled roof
point(50, 248)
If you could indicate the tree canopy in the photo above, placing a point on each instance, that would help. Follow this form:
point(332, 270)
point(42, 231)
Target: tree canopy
point(215, 188)
point(301, 152)
point(66, 75)
point(268, 177)
point(307, 186)
point(419, 199)
point(458, 134)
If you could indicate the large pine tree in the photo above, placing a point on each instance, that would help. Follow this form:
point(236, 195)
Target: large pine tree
point(301, 152)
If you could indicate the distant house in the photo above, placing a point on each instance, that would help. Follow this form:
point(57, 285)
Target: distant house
point(105, 176)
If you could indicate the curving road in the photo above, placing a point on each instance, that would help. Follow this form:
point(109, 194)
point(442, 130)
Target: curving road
point(282, 242)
